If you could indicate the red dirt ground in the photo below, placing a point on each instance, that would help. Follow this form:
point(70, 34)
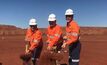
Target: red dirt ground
point(92, 53)
point(94, 50)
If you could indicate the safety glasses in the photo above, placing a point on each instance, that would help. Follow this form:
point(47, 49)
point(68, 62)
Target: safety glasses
point(33, 26)
point(51, 22)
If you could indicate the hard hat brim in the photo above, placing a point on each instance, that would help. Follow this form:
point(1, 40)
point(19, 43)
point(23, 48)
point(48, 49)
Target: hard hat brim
point(51, 19)
point(69, 14)
point(33, 24)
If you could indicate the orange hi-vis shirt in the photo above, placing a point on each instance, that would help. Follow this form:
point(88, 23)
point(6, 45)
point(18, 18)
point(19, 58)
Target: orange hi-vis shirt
point(72, 32)
point(54, 35)
point(34, 38)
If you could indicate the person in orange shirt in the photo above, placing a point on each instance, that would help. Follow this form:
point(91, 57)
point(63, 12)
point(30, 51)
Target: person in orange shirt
point(34, 41)
point(72, 38)
point(54, 34)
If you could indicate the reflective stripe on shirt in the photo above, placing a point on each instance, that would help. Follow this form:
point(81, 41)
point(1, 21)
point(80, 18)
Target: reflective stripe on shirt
point(36, 41)
point(57, 35)
point(72, 33)
point(51, 36)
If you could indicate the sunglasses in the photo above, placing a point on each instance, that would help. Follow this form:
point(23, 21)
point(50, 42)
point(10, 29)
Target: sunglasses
point(51, 22)
point(33, 25)
point(68, 15)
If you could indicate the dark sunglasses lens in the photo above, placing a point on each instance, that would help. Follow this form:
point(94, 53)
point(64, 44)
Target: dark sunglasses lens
point(32, 25)
point(68, 16)
point(51, 22)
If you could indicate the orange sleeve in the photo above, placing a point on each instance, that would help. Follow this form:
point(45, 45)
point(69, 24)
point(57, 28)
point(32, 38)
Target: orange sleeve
point(37, 39)
point(57, 36)
point(74, 35)
point(32, 47)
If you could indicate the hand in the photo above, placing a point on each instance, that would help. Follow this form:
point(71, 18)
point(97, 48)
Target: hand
point(47, 42)
point(54, 47)
point(28, 51)
point(49, 48)
point(27, 39)
point(64, 45)
point(65, 38)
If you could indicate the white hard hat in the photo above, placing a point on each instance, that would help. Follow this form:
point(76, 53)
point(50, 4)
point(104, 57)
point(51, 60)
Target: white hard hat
point(52, 17)
point(32, 22)
point(69, 12)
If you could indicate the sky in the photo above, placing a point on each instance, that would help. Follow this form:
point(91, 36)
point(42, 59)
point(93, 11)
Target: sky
point(86, 12)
